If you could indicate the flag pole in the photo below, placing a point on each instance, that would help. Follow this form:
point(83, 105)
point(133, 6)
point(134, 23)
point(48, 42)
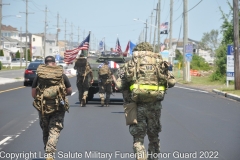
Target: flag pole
point(89, 42)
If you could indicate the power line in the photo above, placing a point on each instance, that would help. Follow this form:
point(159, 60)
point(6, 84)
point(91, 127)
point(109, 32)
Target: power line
point(189, 10)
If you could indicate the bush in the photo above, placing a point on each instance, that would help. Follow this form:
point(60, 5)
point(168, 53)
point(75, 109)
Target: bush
point(199, 63)
point(0, 65)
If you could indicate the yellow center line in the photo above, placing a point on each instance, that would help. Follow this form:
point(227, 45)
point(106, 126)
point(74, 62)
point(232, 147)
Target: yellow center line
point(12, 89)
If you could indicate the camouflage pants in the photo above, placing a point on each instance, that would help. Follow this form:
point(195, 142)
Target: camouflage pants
point(148, 117)
point(82, 88)
point(105, 87)
point(51, 125)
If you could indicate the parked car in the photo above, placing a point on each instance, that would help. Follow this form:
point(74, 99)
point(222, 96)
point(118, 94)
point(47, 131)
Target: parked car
point(62, 63)
point(30, 73)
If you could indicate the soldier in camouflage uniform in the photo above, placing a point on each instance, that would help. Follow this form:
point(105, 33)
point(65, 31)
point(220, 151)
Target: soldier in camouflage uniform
point(148, 115)
point(52, 123)
point(105, 83)
point(83, 82)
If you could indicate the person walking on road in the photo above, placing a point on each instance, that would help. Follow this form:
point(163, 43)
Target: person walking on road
point(49, 90)
point(142, 83)
point(84, 78)
point(105, 78)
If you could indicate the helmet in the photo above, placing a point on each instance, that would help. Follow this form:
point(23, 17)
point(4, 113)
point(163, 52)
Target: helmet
point(144, 46)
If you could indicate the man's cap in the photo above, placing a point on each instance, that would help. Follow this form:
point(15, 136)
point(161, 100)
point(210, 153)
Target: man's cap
point(49, 59)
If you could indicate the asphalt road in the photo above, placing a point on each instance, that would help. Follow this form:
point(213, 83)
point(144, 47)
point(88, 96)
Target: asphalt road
point(12, 73)
point(195, 124)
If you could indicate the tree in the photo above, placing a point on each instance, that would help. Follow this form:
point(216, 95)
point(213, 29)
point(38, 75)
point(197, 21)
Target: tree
point(221, 58)
point(210, 41)
point(29, 55)
point(17, 54)
point(1, 53)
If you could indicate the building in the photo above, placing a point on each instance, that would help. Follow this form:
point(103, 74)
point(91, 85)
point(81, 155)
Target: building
point(9, 31)
point(179, 46)
point(51, 45)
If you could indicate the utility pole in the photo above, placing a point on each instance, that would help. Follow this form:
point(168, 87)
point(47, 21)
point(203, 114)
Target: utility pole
point(71, 36)
point(57, 29)
point(159, 15)
point(83, 34)
point(155, 28)
point(186, 65)
point(26, 44)
point(78, 34)
point(170, 34)
point(150, 36)
point(1, 4)
point(45, 30)
point(236, 45)
point(146, 32)
point(65, 42)
point(21, 56)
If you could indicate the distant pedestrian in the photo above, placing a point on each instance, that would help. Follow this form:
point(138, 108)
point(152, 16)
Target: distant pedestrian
point(105, 77)
point(170, 67)
point(84, 78)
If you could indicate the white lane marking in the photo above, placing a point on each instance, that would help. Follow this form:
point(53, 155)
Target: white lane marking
point(192, 89)
point(5, 140)
point(73, 93)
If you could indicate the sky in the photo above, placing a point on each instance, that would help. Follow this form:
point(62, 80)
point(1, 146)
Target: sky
point(112, 19)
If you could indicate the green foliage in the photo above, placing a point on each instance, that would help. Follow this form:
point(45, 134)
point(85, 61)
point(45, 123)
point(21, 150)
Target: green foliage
point(29, 55)
point(199, 63)
point(210, 41)
point(17, 54)
point(179, 56)
point(0, 65)
point(219, 73)
point(1, 53)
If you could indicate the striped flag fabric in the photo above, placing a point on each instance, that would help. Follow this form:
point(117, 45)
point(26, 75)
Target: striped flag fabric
point(111, 64)
point(164, 25)
point(70, 55)
point(118, 46)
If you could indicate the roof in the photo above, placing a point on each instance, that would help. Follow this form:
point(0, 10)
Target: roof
point(8, 28)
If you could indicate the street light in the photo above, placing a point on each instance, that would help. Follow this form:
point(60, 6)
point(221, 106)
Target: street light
point(145, 27)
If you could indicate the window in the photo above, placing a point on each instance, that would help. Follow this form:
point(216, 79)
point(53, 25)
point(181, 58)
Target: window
point(9, 35)
point(5, 34)
point(33, 39)
point(50, 50)
point(7, 46)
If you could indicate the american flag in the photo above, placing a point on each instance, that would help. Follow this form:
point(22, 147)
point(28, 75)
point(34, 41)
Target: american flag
point(70, 55)
point(118, 46)
point(164, 25)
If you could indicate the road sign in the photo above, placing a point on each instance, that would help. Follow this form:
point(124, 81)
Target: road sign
point(230, 62)
point(171, 53)
point(188, 57)
point(189, 48)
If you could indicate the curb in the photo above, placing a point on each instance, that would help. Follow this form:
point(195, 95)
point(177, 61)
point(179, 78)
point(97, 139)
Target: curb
point(227, 95)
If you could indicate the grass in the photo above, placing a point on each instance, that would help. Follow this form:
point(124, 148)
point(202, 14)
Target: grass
point(13, 68)
point(204, 82)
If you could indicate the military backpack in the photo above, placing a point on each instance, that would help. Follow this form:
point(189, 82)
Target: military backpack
point(51, 90)
point(148, 75)
point(104, 72)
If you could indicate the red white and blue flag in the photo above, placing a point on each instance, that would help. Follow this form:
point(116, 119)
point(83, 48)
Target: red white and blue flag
point(118, 46)
point(164, 25)
point(111, 64)
point(70, 55)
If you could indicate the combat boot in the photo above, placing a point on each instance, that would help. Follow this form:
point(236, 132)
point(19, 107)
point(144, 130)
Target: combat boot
point(102, 102)
point(107, 105)
point(83, 101)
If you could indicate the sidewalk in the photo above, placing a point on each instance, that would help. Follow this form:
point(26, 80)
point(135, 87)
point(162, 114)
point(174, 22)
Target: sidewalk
point(69, 73)
point(227, 95)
